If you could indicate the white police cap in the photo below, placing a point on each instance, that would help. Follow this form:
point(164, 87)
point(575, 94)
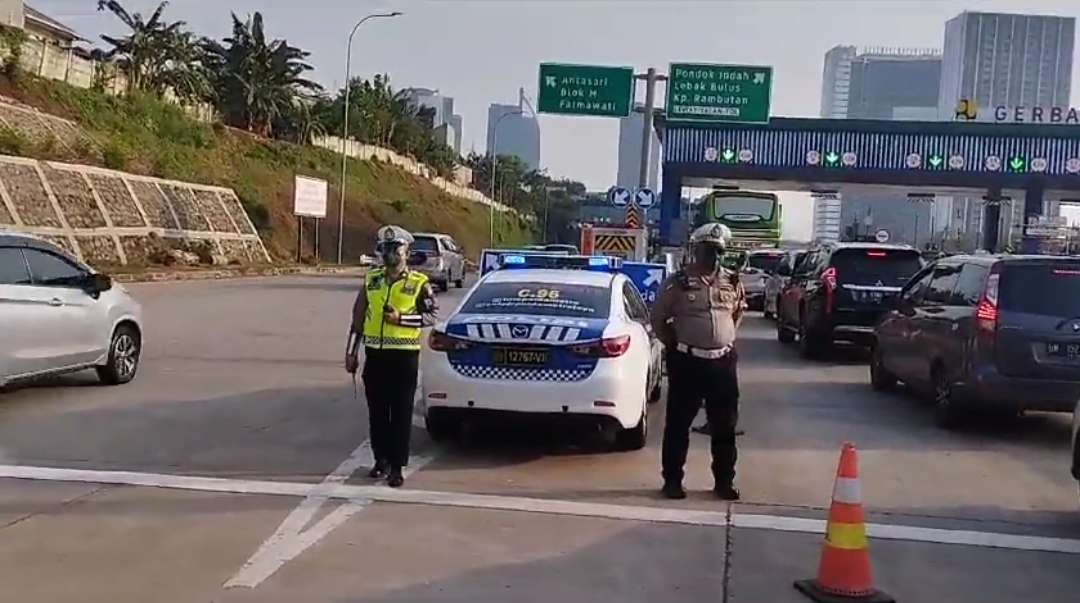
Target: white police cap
point(393, 234)
point(713, 233)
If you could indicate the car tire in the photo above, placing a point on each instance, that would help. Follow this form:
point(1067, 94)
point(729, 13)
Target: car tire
point(880, 378)
point(783, 333)
point(948, 413)
point(635, 437)
point(460, 282)
point(440, 427)
point(442, 286)
point(125, 350)
point(810, 346)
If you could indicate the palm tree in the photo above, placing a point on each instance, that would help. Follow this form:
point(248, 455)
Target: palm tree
point(144, 53)
point(258, 81)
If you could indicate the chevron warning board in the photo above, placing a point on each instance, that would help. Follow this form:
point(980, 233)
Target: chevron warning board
point(633, 216)
point(614, 245)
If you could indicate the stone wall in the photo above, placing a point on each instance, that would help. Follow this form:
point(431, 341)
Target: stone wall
point(111, 218)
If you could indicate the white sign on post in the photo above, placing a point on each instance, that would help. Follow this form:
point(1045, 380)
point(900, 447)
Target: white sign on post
point(309, 197)
point(881, 236)
point(644, 198)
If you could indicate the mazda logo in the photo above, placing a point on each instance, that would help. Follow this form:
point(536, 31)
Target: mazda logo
point(520, 331)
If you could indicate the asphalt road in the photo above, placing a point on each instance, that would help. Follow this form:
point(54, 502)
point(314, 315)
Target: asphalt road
point(232, 470)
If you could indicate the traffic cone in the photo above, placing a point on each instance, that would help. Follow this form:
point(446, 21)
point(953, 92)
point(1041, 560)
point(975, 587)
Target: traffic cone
point(844, 574)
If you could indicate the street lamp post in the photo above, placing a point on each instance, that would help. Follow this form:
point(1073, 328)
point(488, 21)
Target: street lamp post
point(494, 162)
point(345, 125)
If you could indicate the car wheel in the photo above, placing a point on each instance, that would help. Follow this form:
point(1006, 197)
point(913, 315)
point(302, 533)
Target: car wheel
point(783, 333)
point(948, 413)
point(443, 285)
point(441, 428)
point(125, 350)
point(460, 282)
point(808, 344)
point(635, 437)
point(880, 378)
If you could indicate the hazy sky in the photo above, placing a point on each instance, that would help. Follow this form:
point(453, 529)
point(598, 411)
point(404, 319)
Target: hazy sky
point(481, 51)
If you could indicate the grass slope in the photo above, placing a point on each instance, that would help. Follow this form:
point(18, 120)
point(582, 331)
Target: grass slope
point(147, 136)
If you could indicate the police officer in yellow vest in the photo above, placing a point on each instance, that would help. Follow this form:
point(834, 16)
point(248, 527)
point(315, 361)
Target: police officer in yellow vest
point(390, 311)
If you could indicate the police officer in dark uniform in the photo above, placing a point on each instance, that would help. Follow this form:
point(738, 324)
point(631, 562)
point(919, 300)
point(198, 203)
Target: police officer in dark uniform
point(696, 316)
point(389, 314)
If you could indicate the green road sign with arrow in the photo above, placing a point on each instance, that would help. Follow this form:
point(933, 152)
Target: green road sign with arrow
point(935, 161)
point(728, 155)
point(832, 159)
point(585, 90)
point(1017, 164)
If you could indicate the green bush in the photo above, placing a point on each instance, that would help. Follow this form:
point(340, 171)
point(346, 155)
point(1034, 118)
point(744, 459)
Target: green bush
point(114, 156)
point(11, 142)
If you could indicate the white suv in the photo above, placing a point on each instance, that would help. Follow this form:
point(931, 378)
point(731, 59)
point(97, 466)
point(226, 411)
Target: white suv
point(59, 316)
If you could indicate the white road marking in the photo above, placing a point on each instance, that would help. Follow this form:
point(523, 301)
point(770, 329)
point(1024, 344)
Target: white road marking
point(536, 505)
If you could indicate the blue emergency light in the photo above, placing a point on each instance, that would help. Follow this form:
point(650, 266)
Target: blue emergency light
point(560, 262)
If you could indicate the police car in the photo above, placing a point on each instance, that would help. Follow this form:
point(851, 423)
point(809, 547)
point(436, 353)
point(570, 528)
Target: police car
point(546, 337)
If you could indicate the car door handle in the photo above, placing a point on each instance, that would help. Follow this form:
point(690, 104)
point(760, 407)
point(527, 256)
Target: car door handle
point(56, 302)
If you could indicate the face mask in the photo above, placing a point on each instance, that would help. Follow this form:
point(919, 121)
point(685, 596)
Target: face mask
point(392, 255)
point(709, 256)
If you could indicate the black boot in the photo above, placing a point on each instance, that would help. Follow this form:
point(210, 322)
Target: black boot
point(378, 471)
point(726, 492)
point(396, 479)
point(674, 491)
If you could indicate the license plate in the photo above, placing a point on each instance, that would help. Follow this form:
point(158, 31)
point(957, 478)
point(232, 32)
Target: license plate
point(869, 297)
point(1069, 351)
point(519, 357)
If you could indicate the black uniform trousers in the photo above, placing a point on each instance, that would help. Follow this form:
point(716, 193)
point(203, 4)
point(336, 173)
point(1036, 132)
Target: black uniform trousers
point(690, 380)
point(390, 388)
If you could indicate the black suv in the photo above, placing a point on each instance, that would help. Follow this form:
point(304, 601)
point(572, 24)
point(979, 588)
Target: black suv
point(839, 291)
point(985, 332)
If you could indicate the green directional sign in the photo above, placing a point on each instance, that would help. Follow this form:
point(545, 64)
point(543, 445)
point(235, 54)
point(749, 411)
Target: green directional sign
point(728, 155)
point(1017, 164)
point(935, 161)
point(718, 93)
point(585, 90)
point(832, 159)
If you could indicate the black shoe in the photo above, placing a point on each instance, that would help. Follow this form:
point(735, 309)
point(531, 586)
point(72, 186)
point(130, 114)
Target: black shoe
point(396, 479)
point(674, 491)
point(378, 471)
point(728, 492)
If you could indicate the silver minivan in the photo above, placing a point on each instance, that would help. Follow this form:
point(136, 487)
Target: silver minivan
point(443, 261)
point(59, 315)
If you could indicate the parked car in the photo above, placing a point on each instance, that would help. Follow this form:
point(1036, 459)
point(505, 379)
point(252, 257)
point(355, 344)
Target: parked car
point(440, 258)
point(777, 279)
point(985, 332)
point(759, 263)
point(59, 316)
point(839, 290)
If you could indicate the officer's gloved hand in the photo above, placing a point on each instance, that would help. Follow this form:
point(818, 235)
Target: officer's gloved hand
point(351, 363)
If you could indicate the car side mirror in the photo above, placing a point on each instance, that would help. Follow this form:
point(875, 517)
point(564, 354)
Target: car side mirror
point(97, 283)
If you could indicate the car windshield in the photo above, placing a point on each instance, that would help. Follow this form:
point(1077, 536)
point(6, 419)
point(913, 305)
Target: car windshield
point(1048, 289)
point(425, 244)
point(764, 261)
point(875, 267)
point(735, 205)
point(546, 299)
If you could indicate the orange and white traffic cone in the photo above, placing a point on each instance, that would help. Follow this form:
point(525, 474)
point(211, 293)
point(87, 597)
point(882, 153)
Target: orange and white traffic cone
point(844, 574)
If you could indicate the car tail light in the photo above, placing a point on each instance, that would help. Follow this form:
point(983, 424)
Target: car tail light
point(877, 254)
point(828, 277)
point(986, 313)
point(441, 342)
point(611, 347)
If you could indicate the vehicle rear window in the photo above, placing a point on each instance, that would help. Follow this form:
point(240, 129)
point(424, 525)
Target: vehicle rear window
point(425, 244)
point(547, 299)
point(1049, 289)
point(869, 266)
point(764, 261)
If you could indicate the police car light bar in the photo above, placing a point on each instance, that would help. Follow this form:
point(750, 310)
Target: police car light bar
point(561, 262)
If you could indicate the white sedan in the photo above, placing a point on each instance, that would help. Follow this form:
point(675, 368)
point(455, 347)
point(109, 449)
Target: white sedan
point(545, 344)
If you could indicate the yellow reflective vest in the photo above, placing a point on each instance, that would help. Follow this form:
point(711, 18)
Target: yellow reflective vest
point(402, 296)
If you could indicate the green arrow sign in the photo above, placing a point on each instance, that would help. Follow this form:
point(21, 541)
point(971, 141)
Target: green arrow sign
point(935, 161)
point(1017, 164)
point(736, 93)
point(831, 158)
point(728, 155)
point(585, 90)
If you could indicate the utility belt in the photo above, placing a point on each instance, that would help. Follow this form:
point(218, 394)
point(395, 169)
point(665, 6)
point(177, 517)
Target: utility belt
point(706, 353)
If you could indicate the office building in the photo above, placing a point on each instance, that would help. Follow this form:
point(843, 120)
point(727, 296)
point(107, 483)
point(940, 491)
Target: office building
point(629, 169)
point(884, 84)
point(1006, 60)
point(443, 119)
point(519, 131)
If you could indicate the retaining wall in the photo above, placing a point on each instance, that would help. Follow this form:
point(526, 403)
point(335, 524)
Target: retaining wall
point(115, 218)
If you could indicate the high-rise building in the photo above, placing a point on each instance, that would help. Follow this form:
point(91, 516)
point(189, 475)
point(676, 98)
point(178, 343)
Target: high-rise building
point(444, 122)
point(877, 83)
point(629, 169)
point(1006, 60)
point(519, 131)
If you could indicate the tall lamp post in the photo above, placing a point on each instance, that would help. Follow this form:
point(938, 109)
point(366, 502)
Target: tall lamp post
point(345, 125)
point(494, 162)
